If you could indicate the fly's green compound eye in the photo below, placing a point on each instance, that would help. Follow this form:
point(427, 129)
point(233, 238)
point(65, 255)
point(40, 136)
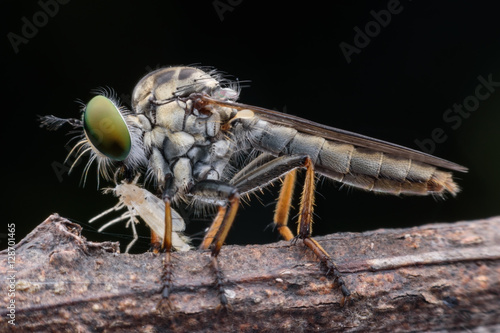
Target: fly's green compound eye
point(106, 129)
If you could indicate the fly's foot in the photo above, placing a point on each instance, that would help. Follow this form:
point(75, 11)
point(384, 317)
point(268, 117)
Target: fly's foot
point(224, 305)
point(330, 267)
point(331, 270)
point(294, 240)
point(167, 282)
point(165, 303)
point(155, 248)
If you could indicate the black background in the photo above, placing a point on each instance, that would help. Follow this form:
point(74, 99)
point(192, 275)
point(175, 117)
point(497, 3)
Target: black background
point(397, 88)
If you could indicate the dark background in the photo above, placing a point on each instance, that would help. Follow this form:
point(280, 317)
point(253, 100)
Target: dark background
point(396, 88)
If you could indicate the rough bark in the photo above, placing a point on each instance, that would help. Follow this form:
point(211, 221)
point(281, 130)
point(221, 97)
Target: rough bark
point(430, 278)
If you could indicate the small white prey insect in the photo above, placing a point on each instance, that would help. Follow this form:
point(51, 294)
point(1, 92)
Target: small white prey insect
point(151, 209)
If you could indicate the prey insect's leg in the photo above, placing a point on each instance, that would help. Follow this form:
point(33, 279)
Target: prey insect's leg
point(304, 229)
point(134, 233)
point(217, 191)
point(127, 215)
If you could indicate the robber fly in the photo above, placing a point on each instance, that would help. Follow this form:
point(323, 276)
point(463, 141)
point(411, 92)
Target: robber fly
point(189, 135)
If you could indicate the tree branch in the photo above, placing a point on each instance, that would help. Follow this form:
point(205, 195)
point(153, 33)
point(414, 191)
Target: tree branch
point(434, 277)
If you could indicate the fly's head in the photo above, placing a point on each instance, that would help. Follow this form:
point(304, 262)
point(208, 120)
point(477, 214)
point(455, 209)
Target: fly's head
point(108, 132)
point(121, 140)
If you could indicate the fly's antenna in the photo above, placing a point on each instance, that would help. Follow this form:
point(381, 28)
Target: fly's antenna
point(53, 123)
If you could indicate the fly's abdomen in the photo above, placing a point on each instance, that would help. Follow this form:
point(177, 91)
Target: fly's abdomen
point(381, 172)
point(355, 166)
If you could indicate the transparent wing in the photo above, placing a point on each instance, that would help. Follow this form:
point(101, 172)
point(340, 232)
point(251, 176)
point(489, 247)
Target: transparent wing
point(336, 134)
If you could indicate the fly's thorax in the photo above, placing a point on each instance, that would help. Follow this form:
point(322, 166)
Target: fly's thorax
point(183, 175)
point(170, 115)
point(186, 142)
point(167, 83)
point(199, 162)
point(178, 133)
point(184, 138)
point(206, 125)
point(189, 157)
point(207, 161)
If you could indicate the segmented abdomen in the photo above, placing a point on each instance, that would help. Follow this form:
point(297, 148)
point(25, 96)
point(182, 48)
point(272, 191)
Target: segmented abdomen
point(356, 166)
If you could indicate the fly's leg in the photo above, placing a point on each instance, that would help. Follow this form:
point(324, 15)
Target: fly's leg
point(304, 228)
point(218, 191)
point(270, 168)
point(214, 227)
point(330, 266)
point(166, 246)
point(283, 205)
point(156, 242)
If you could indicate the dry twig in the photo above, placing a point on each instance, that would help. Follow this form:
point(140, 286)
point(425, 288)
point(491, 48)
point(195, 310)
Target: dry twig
point(434, 277)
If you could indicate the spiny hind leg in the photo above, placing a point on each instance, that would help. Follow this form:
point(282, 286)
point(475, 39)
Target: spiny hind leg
point(304, 228)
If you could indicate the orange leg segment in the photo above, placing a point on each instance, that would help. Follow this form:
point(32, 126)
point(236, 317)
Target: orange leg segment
point(167, 260)
point(219, 229)
point(227, 222)
point(167, 237)
point(304, 228)
point(155, 242)
point(212, 231)
point(284, 204)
